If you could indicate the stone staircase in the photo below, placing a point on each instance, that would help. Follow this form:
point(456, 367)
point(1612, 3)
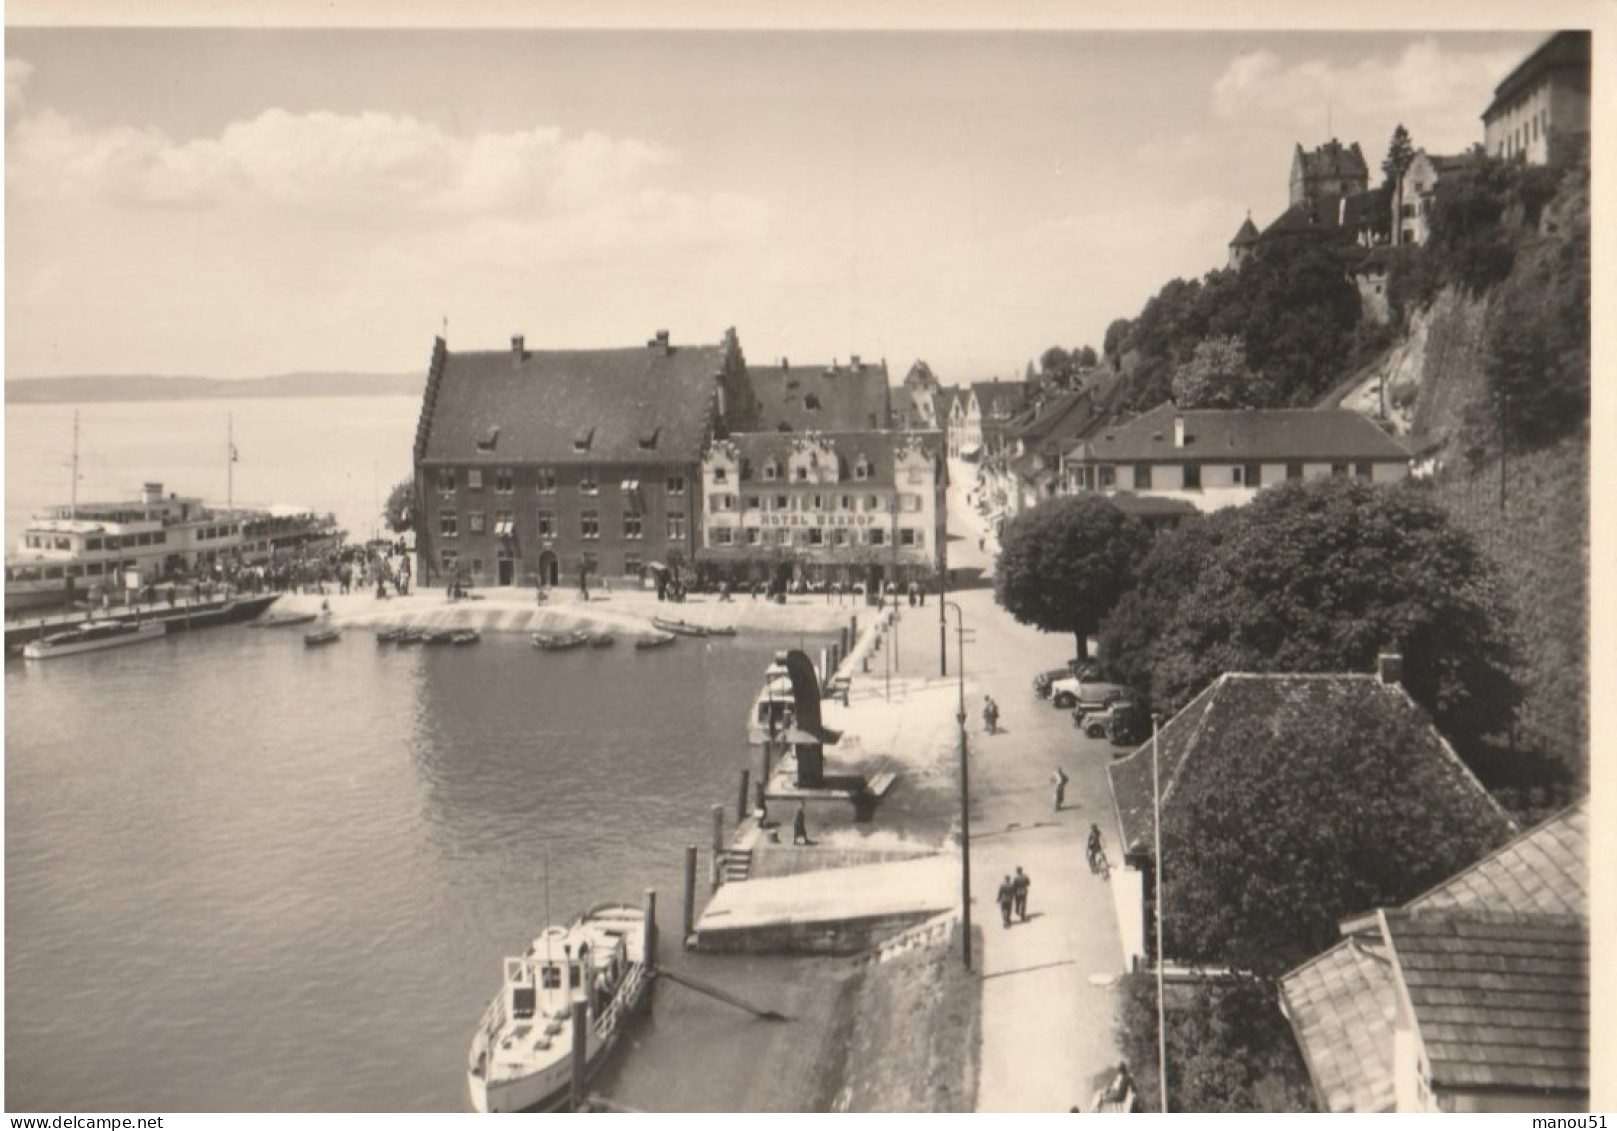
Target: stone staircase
point(735, 865)
point(932, 931)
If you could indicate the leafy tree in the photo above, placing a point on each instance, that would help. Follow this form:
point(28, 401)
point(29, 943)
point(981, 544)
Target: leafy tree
point(1400, 153)
point(1317, 818)
point(1084, 358)
point(1117, 333)
point(400, 511)
point(1229, 1046)
point(1321, 576)
point(1055, 364)
point(1216, 376)
point(1294, 310)
point(1064, 564)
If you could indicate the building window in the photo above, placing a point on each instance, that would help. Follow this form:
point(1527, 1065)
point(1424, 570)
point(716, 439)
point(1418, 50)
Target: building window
point(676, 526)
point(783, 503)
point(1294, 471)
point(1339, 469)
point(449, 560)
point(474, 522)
point(1107, 476)
point(474, 479)
point(754, 502)
point(753, 535)
point(802, 475)
point(872, 502)
point(676, 484)
point(720, 475)
point(845, 503)
point(448, 524)
point(505, 524)
point(861, 470)
point(816, 536)
point(477, 567)
point(505, 481)
point(632, 525)
point(770, 470)
point(446, 480)
point(587, 484)
point(1254, 475)
point(631, 563)
point(878, 536)
point(589, 524)
point(546, 480)
point(721, 535)
point(909, 537)
point(547, 524)
point(1362, 470)
point(1142, 477)
point(839, 536)
point(1193, 477)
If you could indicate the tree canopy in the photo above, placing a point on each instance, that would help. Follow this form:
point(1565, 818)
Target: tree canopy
point(1316, 820)
point(1322, 576)
point(400, 511)
point(1064, 564)
point(1216, 376)
point(1400, 152)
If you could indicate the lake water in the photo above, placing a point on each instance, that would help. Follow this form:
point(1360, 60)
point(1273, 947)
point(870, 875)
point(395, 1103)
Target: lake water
point(243, 875)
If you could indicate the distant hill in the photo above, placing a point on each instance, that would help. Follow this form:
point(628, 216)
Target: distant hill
point(138, 387)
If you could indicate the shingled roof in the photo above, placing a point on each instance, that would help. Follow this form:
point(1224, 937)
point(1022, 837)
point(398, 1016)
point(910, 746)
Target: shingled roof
point(1343, 1004)
point(1212, 727)
point(1246, 235)
point(652, 403)
point(878, 447)
point(810, 398)
point(1566, 51)
point(1333, 159)
point(1245, 435)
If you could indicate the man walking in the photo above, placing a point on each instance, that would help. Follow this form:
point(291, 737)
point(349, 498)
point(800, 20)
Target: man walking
point(800, 826)
point(1059, 781)
point(1019, 885)
point(1006, 899)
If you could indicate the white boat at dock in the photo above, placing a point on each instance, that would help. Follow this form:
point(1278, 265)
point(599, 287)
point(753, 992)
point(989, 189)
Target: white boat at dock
point(93, 638)
point(521, 1056)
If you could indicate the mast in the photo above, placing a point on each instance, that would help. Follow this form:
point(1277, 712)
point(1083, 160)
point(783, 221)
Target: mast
point(230, 462)
point(73, 496)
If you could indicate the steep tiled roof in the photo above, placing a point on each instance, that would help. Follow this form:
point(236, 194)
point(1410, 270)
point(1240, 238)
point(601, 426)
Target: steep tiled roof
point(1294, 221)
point(878, 448)
point(1056, 422)
point(1272, 434)
point(617, 399)
point(1248, 234)
point(1343, 1007)
point(819, 398)
point(1212, 728)
point(1501, 1000)
point(1342, 1003)
point(999, 398)
point(1567, 51)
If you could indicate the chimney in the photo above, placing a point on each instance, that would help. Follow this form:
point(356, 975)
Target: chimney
point(1178, 431)
point(659, 341)
point(785, 365)
point(1390, 668)
point(151, 493)
point(853, 363)
point(517, 353)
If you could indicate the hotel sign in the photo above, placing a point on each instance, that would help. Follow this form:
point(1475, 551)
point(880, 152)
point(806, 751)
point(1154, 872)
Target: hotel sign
point(820, 520)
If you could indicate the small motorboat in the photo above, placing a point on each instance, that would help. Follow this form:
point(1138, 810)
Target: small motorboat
point(722, 630)
point(658, 641)
point(679, 627)
point(559, 642)
point(602, 639)
point(391, 635)
point(465, 636)
point(324, 636)
point(439, 636)
point(410, 636)
point(93, 638)
point(522, 1053)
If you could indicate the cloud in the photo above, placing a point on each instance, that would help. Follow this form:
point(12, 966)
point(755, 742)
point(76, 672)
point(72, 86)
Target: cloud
point(1434, 89)
point(369, 169)
point(18, 72)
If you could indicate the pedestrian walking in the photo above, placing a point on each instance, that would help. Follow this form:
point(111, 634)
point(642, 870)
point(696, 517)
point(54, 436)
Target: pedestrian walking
point(1019, 885)
point(1006, 899)
point(1059, 781)
point(800, 826)
point(990, 715)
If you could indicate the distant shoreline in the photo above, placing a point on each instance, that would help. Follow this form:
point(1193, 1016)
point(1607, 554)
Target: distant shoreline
point(109, 389)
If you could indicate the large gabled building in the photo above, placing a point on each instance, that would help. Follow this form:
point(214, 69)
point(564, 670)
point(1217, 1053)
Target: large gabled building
point(1540, 112)
point(818, 398)
point(539, 466)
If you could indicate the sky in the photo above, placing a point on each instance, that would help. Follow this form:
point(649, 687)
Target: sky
point(239, 202)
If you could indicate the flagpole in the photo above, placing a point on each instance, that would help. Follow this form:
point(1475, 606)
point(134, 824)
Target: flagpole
point(230, 462)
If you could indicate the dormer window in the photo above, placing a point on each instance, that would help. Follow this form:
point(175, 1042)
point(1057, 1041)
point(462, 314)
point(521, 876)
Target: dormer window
point(802, 474)
point(720, 474)
point(771, 471)
point(648, 440)
point(582, 440)
point(811, 403)
point(487, 441)
point(861, 470)
point(587, 484)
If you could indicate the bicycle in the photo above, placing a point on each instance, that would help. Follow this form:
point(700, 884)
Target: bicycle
point(1098, 864)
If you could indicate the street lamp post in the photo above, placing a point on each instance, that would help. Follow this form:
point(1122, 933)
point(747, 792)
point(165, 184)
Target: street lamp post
point(1162, 1021)
point(965, 793)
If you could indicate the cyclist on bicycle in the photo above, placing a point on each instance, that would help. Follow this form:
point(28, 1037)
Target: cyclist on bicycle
point(1095, 850)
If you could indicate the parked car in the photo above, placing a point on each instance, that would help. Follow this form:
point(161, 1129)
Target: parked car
point(1076, 691)
point(1123, 721)
point(1042, 681)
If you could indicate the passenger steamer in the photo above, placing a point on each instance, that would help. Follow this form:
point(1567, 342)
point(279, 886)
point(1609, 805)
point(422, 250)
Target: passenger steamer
point(521, 1056)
